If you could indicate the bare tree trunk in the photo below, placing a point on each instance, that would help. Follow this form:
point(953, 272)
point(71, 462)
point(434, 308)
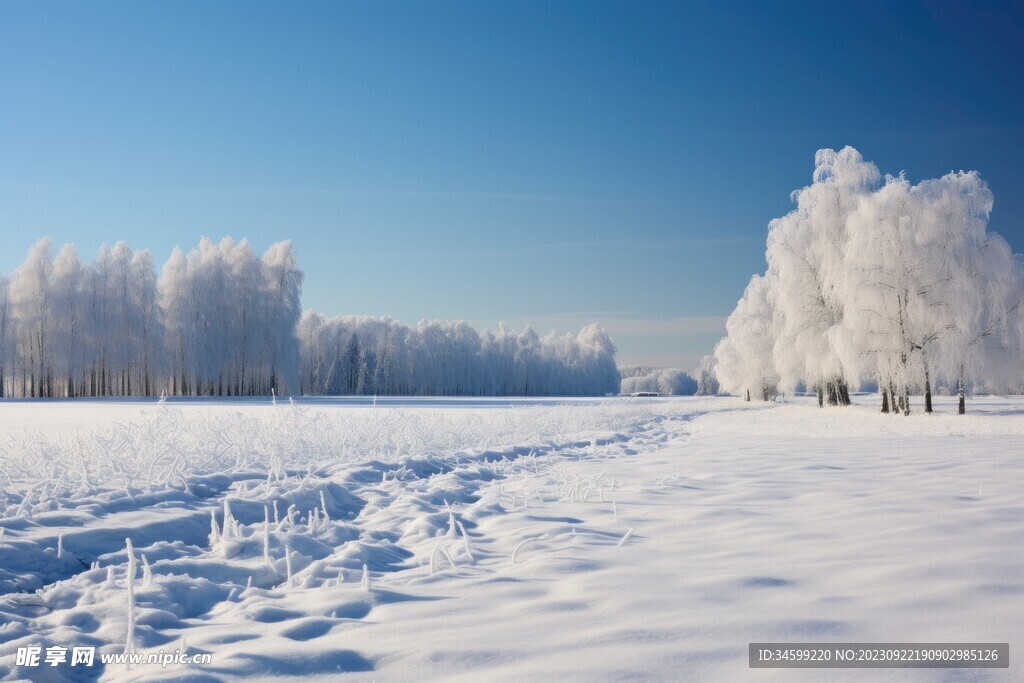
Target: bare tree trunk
point(821, 397)
point(961, 392)
point(885, 400)
point(927, 390)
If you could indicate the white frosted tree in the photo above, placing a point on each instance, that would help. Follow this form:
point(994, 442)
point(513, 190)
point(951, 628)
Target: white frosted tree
point(31, 295)
point(283, 281)
point(660, 380)
point(936, 292)
point(174, 300)
point(598, 358)
point(366, 355)
point(887, 274)
point(707, 377)
point(221, 321)
point(981, 346)
point(892, 283)
point(69, 325)
point(146, 348)
point(745, 361)
point(100, 322)
point(805, 254)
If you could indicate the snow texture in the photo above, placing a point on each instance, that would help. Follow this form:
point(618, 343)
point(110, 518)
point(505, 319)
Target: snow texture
point(532, 540)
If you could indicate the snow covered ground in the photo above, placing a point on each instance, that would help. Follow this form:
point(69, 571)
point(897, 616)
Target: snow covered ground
point(538, 540)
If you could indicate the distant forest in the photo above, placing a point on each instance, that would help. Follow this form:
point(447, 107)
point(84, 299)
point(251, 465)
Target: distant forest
point(223, 321)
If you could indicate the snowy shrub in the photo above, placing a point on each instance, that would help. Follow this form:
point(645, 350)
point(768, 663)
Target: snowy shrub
point(665, 381)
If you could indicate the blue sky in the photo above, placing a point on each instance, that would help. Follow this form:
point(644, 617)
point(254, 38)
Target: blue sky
point(552, 163)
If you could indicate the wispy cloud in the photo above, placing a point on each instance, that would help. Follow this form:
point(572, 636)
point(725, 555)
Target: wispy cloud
point(354, 193)
point(626, 324)
point(670, 243)
point(434, 194)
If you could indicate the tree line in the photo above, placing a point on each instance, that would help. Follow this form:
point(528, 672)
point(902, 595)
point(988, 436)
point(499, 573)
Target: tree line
point(659, 380)
point(878, 282)
point(218, 320)
point(368, 355)
point(221, 320)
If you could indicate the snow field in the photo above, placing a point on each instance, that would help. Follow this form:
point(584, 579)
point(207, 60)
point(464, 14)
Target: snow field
point(615, 541)
point(231, 511)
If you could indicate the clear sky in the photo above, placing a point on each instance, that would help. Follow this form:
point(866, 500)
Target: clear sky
point(550, 163)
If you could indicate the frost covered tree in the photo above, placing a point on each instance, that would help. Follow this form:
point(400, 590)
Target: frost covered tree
point(707, 379)
point(221, 320)
point(880, 281)
point(805, 254)
point(366, 355)
point(69, 321)
point(282, 284)
point(231, 319)
point(31, 295)
point(935, 291)
point(175, 296)
point(664, 381)
point(597, 360)
point(745, 362)
point(981, 337)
